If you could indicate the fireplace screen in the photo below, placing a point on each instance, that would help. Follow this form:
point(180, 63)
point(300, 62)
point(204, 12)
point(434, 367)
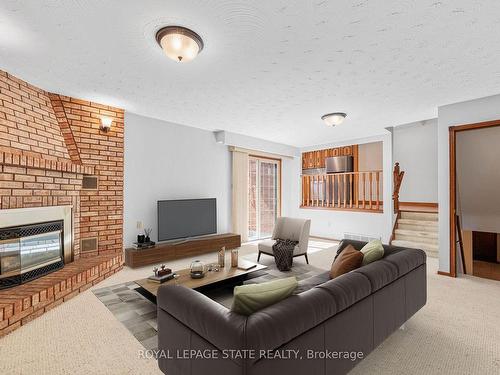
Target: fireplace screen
point(30, 251)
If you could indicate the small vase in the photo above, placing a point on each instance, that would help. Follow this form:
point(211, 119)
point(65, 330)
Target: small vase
point(234, 258)
point(140, 238)
point(221, 257)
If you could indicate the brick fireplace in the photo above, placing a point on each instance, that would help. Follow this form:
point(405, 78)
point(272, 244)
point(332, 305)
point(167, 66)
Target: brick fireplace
point(49, 145)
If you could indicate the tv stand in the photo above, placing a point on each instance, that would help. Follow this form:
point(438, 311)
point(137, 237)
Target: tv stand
point(164, 252)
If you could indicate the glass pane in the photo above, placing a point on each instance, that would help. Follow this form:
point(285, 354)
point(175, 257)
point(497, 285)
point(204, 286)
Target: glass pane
point(252, 200)
point(10, 258)
point(268, 198)
point(40, 249)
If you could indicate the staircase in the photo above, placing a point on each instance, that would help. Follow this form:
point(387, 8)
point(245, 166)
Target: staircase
point(417, 230)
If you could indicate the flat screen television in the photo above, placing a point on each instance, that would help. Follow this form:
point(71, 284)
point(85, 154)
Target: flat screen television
point(183, 218)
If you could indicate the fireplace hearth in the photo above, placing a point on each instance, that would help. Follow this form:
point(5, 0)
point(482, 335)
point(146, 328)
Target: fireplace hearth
point(30, 251)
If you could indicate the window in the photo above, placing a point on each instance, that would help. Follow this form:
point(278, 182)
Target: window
point(264, 196)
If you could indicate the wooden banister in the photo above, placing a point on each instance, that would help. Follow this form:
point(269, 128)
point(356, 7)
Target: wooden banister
point(343, 191)
point(398, 179)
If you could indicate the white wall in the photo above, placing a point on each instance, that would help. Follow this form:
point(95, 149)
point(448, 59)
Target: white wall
point(333, 224)
point(478, 110)
point(478, 179)
point(416, 150)
point(370, 156)
point(169, 161)
point(257, 144)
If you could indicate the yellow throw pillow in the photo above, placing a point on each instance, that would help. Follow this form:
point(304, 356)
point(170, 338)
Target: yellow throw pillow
point(372, 251)
point(253, 297)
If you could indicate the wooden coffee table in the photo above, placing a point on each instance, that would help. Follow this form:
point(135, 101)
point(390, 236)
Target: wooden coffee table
point(226, 274)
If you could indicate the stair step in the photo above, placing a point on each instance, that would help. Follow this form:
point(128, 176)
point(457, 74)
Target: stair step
point(417, 239)
point(422, 216)
point(426, 223)
point(432, 254)
point(418, 228)
point(418, 225)
point(415, 233)
point(430, 250)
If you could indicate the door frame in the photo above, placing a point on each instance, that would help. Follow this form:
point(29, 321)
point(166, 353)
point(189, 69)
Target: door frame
point(280, 177)
point(453, 130)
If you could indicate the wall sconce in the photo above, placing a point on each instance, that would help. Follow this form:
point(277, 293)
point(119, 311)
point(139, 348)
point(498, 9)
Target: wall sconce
point(106, 124)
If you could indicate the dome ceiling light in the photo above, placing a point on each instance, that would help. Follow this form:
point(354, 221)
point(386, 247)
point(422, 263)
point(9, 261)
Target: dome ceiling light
point(333, 119)
point(179, 43)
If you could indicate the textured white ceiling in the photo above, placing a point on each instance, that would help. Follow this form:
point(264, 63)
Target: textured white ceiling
point(269, 69)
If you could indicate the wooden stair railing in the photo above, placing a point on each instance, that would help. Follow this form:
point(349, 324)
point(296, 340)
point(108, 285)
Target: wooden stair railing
point(398, 179)
point(359, 191)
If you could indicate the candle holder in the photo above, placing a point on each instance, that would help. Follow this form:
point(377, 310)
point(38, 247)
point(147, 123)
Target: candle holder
point(197, 269)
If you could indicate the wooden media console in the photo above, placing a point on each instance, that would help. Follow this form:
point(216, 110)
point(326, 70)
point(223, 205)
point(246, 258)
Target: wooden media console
point(181, 249)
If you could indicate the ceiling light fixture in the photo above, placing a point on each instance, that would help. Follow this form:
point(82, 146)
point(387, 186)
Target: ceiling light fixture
point(333, 119)
point(179, 43)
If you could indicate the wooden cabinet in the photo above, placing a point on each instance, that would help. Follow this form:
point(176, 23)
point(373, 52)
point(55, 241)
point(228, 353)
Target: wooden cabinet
point(316, 159)
point(310, 160)
point(169, 251)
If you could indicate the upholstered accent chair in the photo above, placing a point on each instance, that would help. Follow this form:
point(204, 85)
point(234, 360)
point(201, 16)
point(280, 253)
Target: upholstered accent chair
point(288, 228)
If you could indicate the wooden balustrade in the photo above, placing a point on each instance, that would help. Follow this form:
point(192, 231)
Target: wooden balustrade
point(360, 191)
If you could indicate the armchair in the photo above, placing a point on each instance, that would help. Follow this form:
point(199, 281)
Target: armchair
point(287, 228)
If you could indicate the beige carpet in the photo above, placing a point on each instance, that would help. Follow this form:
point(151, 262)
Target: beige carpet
point(457, 332)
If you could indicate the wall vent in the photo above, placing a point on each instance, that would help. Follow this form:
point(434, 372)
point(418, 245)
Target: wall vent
point(89, 182)
point(88, 244)
point(360, 237)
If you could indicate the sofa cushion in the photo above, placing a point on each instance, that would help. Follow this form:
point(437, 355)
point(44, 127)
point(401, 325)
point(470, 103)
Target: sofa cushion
point(254, 297)
point(223, 328)
point(380, 273)
point(348, 260)
point(311, 282)
point(277, 324)
point(406, 260)
point(347, 289)
point(372, 251)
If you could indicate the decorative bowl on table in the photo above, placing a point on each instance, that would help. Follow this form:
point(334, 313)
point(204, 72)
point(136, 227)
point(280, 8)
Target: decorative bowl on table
point(197, 270)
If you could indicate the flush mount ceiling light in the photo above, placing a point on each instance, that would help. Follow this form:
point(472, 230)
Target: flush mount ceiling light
point(179, 43)
point(332, 119)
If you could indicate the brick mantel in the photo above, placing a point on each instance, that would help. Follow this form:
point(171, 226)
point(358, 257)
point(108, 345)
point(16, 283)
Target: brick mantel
point(19, 160)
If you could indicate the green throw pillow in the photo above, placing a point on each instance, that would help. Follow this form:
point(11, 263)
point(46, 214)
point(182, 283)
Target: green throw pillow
point(253, 297)
point(372, 251)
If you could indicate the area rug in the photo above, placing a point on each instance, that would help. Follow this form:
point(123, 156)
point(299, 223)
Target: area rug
point(138, 314)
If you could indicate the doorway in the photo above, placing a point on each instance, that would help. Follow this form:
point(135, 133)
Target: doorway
point(473, 197)
point(264, 196)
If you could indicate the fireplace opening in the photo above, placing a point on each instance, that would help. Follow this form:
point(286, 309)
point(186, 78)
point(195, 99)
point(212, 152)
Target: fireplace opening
point(30, 251)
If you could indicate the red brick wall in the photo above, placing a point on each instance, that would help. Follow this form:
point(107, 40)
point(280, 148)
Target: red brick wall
point(101, 210)
point(28, 123)
point(47, 143)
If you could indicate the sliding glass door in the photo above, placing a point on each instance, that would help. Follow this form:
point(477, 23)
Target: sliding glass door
point(264, 191)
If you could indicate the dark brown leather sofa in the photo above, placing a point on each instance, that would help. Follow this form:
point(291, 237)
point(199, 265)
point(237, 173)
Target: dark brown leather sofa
point(353, 313)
